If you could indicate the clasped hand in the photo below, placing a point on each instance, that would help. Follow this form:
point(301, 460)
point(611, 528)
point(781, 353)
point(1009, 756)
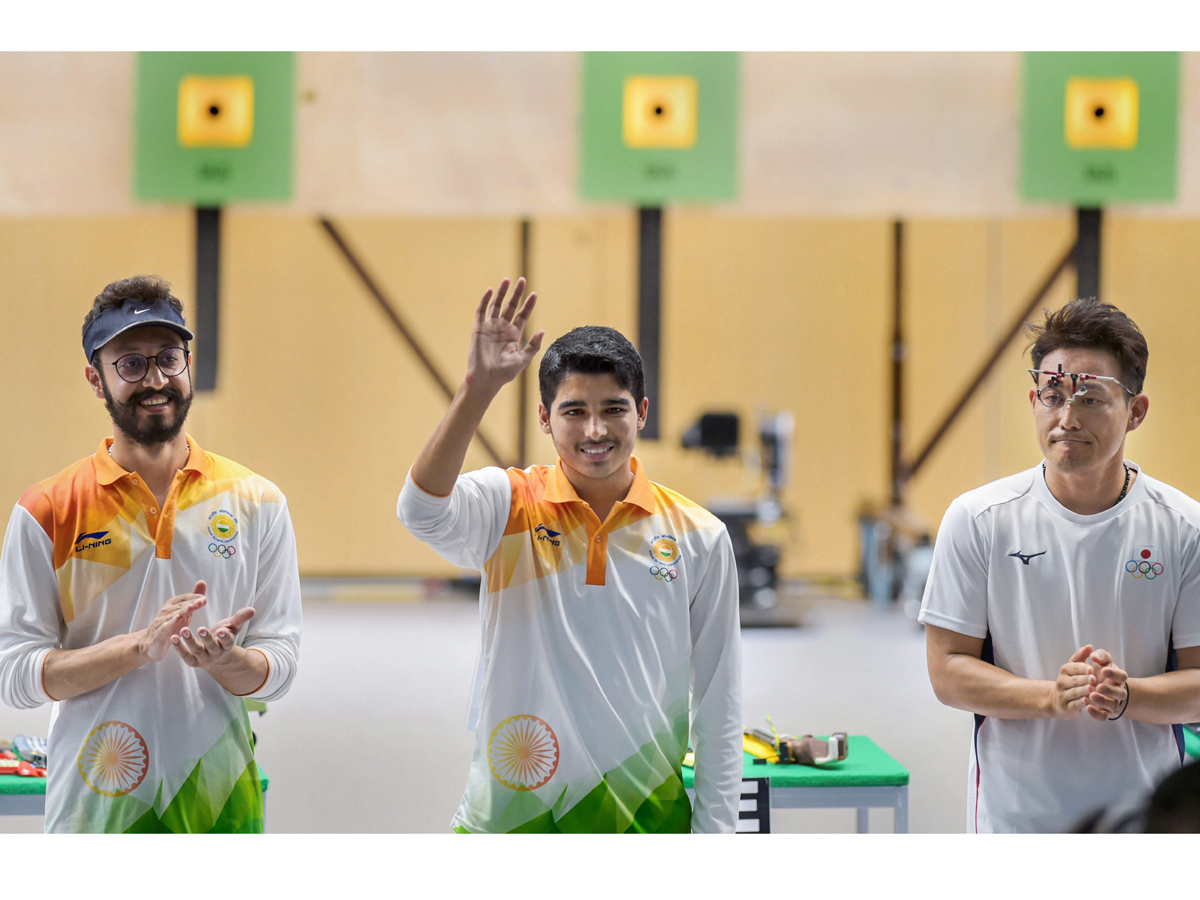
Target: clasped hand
point(1090, 681)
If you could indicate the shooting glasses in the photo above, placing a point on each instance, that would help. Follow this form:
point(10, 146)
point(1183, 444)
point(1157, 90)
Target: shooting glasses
point(1053, 395)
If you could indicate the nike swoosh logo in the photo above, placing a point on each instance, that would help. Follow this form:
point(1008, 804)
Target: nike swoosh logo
point(138, 312)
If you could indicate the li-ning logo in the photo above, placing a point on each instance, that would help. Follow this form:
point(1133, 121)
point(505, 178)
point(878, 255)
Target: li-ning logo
point(97, 538)
point(1144, 564)
point(1026, 557)
point(542, 533)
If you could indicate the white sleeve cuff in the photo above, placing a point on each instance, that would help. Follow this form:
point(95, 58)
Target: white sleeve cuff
point(280, 671)
point(23, 687)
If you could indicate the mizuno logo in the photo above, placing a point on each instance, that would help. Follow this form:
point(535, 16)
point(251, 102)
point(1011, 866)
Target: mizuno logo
point(547, 535)
point(1026, 557)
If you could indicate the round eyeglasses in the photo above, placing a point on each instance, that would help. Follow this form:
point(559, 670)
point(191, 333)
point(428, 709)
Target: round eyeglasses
point(133, 367)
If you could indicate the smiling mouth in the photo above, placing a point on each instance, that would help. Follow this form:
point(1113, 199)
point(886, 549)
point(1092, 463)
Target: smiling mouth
point(596, 452)
point(158, 402)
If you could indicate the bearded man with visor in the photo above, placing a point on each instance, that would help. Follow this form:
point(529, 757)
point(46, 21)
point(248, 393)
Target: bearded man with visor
point(144, 591)
point(1063, 603)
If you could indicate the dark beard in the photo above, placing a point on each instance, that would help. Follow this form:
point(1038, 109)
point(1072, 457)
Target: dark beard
point(154, 431)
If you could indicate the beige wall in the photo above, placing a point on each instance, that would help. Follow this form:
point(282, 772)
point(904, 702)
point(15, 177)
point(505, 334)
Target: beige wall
point(778, 301)
point(759, 315)
point(495, 134)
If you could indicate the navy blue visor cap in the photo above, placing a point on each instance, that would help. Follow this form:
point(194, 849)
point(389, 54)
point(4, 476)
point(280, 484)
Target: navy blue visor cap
point(131, 314)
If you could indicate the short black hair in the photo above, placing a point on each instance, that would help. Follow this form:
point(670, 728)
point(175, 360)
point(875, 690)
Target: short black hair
point(592, 350)
point(1089, 324)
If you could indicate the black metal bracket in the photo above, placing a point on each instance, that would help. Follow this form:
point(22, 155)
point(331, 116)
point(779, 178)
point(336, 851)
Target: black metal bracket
point(649, 337)
point(1087, 252)
point(208, 297)
point(523, 378)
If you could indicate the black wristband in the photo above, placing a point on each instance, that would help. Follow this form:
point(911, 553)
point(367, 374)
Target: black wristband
point(1123, 708)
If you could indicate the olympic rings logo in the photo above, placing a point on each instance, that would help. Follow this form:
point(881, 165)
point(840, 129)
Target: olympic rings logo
point(662, 573)
point(222, 550)
point(1143, 569)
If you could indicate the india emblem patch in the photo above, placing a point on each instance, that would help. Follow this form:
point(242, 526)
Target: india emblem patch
point(523, 752)
point(222, 525)
point(113, 759)
point(664, 550)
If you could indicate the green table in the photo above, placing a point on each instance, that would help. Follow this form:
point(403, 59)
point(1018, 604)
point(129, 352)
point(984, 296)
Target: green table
point(27, 796)
point(867, 778)
point(1191, 743)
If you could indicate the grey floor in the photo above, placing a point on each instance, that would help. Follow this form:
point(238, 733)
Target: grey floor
point(372, 736)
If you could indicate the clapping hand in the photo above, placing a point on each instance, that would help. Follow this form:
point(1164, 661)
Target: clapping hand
point(205, 646)
point(171, 619)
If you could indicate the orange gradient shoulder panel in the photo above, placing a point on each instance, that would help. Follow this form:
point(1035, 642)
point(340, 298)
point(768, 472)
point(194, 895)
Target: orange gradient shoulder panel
point(556, 531)
point(529, 508)
point(685, 515)
point(225, 475)
point(73, 505)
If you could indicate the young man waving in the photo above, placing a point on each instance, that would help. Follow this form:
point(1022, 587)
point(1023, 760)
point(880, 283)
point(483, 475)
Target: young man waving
point(609, 603)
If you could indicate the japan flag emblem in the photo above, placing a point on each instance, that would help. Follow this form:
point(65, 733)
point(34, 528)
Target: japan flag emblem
point(1145, 563)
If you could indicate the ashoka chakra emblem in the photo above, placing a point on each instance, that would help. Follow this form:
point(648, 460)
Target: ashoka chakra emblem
point(113, 759)
point(523, 752)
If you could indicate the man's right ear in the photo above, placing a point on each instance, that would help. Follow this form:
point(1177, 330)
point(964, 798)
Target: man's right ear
point(92, 374)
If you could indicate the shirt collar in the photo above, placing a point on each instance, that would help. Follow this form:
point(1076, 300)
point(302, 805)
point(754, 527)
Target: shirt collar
point(110, 473)
point(560, 490)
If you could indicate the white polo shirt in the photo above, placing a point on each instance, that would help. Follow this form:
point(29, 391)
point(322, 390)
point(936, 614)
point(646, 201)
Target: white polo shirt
point(89, 555)
point(593, 636)
point(1014, 566)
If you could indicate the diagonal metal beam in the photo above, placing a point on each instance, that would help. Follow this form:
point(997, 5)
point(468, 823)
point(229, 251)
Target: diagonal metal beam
point(406, 333)
point(1014, 329)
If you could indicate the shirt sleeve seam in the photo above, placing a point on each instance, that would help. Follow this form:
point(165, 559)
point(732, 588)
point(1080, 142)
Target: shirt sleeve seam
point(932, 617)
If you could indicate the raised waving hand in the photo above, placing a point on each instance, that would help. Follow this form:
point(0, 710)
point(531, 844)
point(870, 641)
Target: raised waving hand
point(497, 355)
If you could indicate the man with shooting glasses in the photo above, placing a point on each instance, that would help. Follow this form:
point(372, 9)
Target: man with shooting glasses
point(1063, 604)
point(144, 591)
